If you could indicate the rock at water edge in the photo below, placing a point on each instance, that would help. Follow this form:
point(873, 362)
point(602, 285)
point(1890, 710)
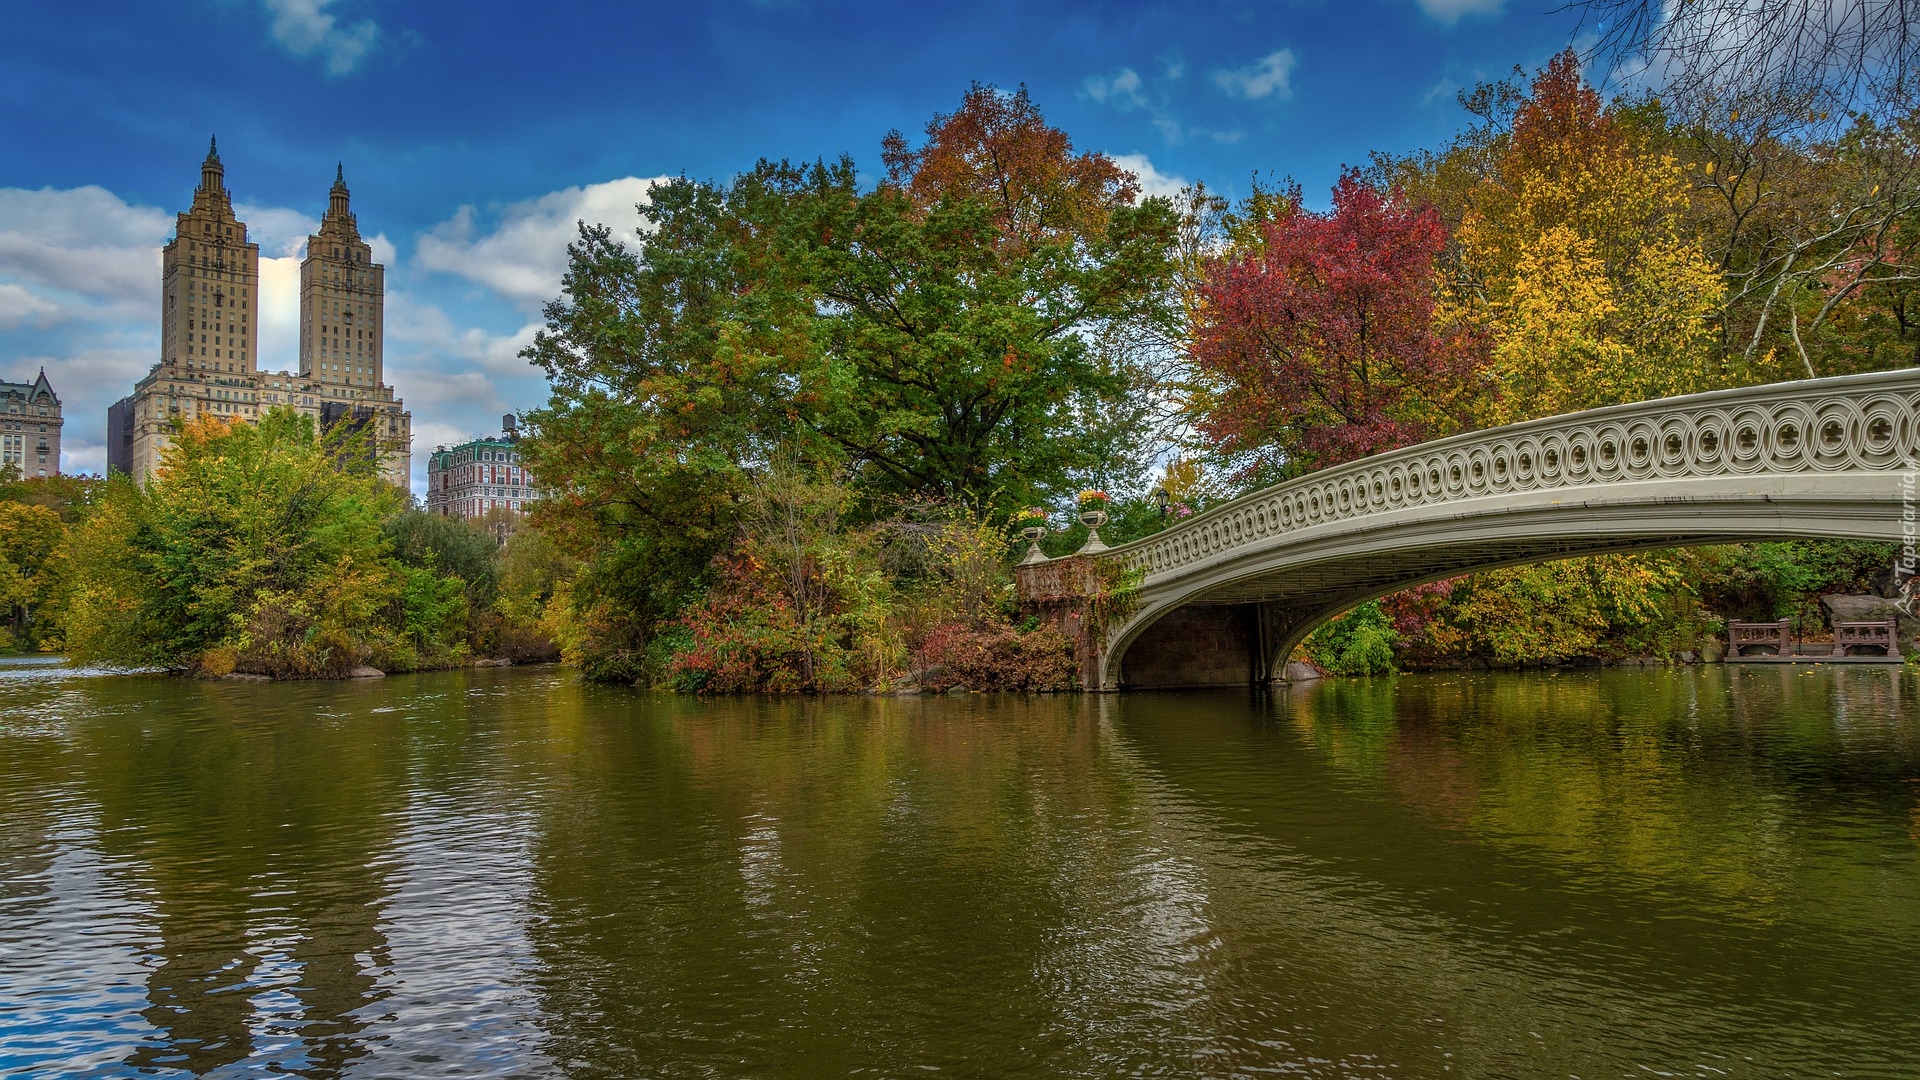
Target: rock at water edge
point(1840, 608)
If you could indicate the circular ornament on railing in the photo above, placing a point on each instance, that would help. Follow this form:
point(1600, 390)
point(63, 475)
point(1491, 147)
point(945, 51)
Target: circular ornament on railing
point(1883, 422)
point(1672, 444)
point(1396, 487)
point(1747, 440)
point(1707, 442)
point(1479, 470)
point(1526, 462)
point(1553, 457)
point(1609, 452)
point(1790, 437)
point(1580, 455)
point(1640, 441)
point(1909, 434)
point(1837, 428)
point(1345, 495)
point(1456, 473)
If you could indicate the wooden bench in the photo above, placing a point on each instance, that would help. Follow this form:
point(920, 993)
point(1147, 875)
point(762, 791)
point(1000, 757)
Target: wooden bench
point(1867, 634)
point(1742, 636)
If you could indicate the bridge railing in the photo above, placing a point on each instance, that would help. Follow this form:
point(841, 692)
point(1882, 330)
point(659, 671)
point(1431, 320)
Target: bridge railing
point(1851, 422)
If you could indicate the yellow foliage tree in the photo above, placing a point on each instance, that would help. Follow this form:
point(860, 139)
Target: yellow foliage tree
point(1568, 335)
point(30, 564)
point(1574, 242)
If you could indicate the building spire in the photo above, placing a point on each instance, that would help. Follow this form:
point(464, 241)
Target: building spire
point(337, 196)
point(211, 171)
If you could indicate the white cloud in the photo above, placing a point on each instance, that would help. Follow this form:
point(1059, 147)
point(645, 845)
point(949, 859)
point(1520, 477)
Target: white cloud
point(304, 27)
point(18, 306)
point(1446, 89)
point(280, 232)
point(1126, 91)
point(1152, 180)
point(522, 257)
point(447, 392)
point(1122, 91)
point(383, 250)
point(427, 329)
point(1271, 75)
point(1450, 11)
point(80, 249)
point(88, 378)
point(431, 434)
point(279, 320)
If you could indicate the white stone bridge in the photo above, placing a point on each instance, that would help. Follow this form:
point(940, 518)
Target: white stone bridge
point(1229, 593)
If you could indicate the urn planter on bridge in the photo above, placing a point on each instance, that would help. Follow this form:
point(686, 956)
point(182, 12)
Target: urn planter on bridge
point(1093, 514)
point(1032, 534)
point(1032, 526)
point(1093, 519)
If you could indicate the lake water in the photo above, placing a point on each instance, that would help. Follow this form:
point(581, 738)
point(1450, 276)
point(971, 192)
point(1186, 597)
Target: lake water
point(1691, 872)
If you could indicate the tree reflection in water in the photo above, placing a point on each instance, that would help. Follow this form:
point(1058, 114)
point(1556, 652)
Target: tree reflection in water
point(511, 872)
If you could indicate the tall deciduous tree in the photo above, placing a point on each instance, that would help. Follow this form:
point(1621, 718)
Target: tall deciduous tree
point(1579, 263)
point(1324, 343)
point(942, 334)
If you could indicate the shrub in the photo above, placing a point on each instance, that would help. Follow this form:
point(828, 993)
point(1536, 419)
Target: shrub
point(996, 658)
point(1359, 642)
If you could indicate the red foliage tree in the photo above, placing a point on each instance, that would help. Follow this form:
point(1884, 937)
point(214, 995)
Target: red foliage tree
point(1322, 345)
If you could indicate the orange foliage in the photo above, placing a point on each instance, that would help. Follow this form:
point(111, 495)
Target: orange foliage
point(998, 148)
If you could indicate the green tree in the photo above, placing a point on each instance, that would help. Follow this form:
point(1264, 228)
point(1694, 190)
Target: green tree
point(31, 564)
point(257, 546)
point(447, 545)
point(944, 334)
point(1359, 642)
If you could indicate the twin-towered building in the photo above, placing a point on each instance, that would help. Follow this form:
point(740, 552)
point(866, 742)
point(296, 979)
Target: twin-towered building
point(210, 332)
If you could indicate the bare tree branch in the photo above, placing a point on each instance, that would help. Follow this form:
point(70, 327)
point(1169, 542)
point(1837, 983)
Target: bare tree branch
point(1817, 59)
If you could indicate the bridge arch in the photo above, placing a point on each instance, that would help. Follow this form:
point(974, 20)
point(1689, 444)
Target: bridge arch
point(1809, 459)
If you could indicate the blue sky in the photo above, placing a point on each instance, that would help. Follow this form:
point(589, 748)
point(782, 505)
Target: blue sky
point(475, 134)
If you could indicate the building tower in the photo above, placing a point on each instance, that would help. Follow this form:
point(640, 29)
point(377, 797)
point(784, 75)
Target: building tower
point(209, 324)
point(342, 292)
point(342, 315)
point(210, 284)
